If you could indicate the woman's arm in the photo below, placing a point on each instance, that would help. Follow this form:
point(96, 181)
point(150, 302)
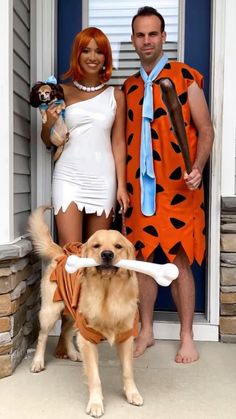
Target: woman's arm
point(52, 117)
point(119, 149)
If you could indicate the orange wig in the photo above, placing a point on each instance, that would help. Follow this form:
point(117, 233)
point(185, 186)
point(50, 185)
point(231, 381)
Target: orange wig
point(81, 41)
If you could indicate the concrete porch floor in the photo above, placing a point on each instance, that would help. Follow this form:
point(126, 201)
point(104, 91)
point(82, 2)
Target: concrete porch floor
point(203, 390)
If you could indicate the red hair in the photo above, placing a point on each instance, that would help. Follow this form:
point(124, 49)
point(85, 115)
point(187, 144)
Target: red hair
point(81, 41)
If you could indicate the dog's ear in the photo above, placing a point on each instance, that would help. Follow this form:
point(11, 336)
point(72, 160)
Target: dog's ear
point(34, 94)
point(84, 252)
point(57, 91)
point(130, 250)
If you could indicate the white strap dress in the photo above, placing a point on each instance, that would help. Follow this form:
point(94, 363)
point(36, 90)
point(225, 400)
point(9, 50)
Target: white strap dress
point(85, 172)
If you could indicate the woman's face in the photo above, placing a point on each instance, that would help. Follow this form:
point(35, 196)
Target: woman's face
point(91, 59)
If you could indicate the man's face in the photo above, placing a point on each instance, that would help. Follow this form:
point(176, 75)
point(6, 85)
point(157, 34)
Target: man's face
point(148, 39)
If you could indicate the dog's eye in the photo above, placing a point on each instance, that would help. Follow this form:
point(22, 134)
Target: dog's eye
point(96, 246)
point(118, 246)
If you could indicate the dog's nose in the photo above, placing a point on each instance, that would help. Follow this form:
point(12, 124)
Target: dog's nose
point(107, 255)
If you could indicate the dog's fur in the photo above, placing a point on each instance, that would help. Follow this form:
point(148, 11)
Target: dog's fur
point(43, 95)
point(46, 93)
point(108, 300)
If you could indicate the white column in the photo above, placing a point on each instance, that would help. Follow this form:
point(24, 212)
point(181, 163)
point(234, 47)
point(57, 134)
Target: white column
point(228, 101)
point(6, 106)
point(43, 64)
point(223, 93)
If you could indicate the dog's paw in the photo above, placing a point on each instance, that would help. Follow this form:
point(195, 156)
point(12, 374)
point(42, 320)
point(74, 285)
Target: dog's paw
point(134, 398)
point(74, 356)
point(37, 366)
point(95, 409)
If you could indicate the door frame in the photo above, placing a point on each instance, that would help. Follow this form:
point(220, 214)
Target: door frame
point(166, 326)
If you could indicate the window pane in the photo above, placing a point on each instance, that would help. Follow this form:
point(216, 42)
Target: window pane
point(114, 19)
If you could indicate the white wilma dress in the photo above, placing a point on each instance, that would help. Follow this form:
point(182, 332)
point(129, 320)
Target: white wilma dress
point(85, 172)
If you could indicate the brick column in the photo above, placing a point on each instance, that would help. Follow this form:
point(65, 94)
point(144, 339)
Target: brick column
point(228, 271)
point(20, 274)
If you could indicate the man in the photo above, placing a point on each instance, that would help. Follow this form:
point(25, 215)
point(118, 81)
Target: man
point(167, 204)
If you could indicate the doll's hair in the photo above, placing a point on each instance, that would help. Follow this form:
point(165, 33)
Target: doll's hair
point(81, 41)
point(56, 93)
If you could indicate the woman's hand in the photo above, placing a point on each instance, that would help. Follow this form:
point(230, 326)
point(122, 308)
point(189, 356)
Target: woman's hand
point(123, 198)
point(53, 113)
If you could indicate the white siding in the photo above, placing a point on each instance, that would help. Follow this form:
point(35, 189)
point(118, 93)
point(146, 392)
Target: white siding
point(21, 87)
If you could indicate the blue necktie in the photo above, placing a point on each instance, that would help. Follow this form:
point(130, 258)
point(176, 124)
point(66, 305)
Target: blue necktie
point(147, 175)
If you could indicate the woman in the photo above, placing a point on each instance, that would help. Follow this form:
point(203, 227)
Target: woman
point(90, 174)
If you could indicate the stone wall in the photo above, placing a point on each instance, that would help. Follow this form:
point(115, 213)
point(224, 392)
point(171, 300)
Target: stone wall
point(20, 274)
point(228, 271)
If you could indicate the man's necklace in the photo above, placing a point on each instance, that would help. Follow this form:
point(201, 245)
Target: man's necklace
point(88, 88)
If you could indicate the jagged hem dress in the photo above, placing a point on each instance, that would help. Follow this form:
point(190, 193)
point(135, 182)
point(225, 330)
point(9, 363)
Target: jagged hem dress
point(85, 172)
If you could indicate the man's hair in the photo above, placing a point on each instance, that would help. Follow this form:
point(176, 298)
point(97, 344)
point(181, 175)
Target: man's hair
point(148, 11)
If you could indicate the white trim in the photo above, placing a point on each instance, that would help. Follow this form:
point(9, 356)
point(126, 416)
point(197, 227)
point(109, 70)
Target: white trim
point(45, 59)
point(228, 97)
point(201, 332)
point(33, 113)
point(6, 106)
point(85, 13)
point(44, 36)
point(166, 326)
point(181, 30)
point(217, 88)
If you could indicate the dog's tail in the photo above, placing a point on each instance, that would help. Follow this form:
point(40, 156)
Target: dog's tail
point(43, 244)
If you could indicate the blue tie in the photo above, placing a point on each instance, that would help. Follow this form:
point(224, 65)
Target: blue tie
point(147, 175)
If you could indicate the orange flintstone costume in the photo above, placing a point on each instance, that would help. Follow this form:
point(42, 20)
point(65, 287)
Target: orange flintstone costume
point(179, 219)
point(68, 290)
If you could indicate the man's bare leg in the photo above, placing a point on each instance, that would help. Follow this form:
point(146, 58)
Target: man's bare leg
point(61, 350)
point(147, 298)
point(183, 292)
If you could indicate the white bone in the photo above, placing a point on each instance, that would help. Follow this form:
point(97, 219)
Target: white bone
point(74, 263)
point(163, 274)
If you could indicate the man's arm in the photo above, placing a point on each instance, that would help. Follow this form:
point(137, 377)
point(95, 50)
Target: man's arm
point(202, 121)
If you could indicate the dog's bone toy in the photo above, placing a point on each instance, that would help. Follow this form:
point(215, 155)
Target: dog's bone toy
point(74, 263)
point(163, 274)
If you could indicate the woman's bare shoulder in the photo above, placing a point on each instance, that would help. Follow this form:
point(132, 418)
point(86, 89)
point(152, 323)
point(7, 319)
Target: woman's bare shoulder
point(66, 86)
point(68, 89)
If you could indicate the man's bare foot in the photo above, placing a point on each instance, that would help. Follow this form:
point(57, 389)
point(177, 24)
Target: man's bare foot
point(187, 351)
point(60, 351)
point(143, 341)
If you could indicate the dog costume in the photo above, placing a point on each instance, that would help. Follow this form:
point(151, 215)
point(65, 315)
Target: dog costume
point(68, 290)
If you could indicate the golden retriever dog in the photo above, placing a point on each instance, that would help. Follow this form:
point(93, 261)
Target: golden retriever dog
point(108, 301)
